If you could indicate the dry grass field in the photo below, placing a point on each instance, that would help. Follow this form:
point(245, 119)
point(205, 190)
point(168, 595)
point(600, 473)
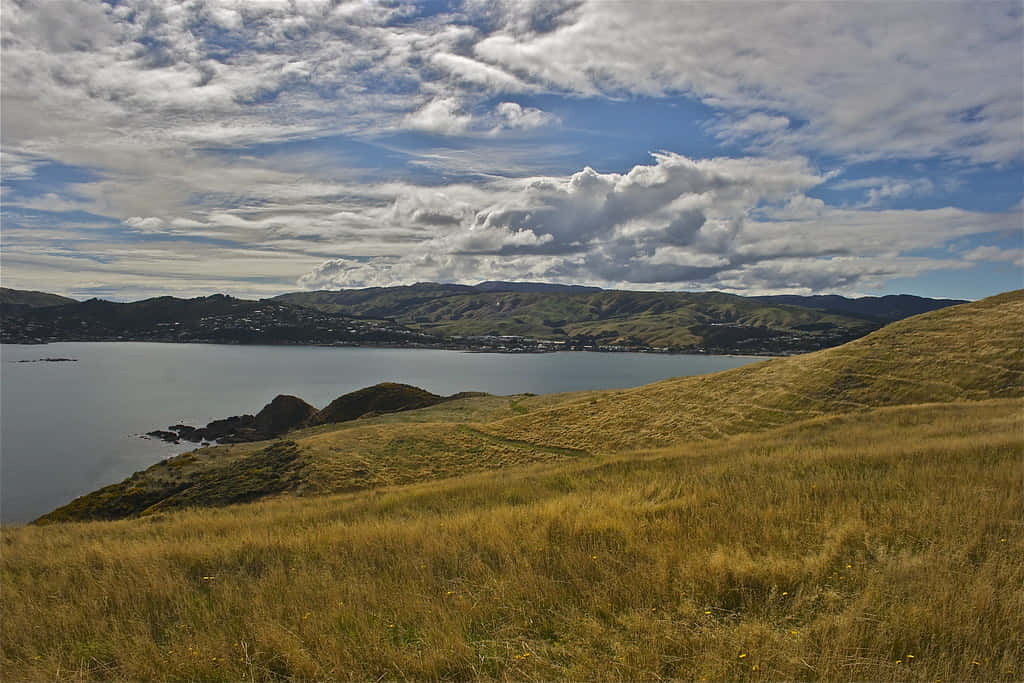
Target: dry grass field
point(856, 514)
point(883, 545)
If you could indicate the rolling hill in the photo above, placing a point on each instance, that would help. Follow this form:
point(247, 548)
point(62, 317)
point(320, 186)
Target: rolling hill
point(679, 320)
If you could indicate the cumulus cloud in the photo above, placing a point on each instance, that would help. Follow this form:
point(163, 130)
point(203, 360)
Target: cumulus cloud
point(514, 115)
point(734, 224)
point(440, 116)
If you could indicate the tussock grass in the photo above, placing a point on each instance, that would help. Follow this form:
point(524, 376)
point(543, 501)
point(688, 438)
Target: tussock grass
point(879, 545)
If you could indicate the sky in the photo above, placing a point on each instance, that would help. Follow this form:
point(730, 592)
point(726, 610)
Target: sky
point(260, 147)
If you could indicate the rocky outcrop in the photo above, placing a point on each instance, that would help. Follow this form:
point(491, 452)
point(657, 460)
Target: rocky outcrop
point(286, 413)
point(387, 397)
point(281, 415)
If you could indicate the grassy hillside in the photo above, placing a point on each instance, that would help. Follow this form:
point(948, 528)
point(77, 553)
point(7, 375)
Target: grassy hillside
point(880, 545)
point(965, 353)
point(661, 319)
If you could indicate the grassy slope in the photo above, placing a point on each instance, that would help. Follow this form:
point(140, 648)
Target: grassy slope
point(880, 545)
point(967, 352)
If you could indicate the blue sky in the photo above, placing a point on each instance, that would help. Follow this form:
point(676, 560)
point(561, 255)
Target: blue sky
point(259, 147)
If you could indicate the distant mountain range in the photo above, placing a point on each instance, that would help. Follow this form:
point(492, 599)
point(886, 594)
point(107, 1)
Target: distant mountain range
point(507, 316)
point(888, 308)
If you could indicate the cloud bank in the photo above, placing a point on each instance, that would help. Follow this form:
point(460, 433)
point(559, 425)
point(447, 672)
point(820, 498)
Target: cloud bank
point(252, 147)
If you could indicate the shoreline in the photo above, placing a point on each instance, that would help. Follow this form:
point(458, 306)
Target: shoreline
point(543, 348)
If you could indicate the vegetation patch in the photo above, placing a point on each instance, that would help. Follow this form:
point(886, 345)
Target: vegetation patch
point(268, 471)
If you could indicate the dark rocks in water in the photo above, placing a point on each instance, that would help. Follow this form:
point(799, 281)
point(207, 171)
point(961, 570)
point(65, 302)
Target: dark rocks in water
point(229, 429)
point(387, 397)
point(281, 415)
point(169, 437)
point(286, 413)
point(187, 433)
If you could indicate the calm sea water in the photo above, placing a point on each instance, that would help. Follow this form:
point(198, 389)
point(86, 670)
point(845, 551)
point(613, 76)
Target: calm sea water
point(70, 428)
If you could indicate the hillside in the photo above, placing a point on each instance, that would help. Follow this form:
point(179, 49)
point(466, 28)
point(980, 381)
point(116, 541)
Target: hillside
point(215, 318)
point(13, 301)
point(827, 550)
point(969, 352)
point(683, 321)
point(887, 308)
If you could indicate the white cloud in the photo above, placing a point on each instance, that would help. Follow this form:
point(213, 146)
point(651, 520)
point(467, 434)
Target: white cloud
point(870, 80)
point(732, 224)
point(990, 253)
point(165, 102)
point(883, 188)
point(16, 166)
point(440, 116)
point(514, 115)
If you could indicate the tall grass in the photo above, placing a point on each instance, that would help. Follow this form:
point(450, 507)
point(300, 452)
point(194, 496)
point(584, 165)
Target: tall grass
point(881, 545)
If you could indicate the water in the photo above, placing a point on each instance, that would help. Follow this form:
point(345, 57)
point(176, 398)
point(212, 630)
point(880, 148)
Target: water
point(69, 428)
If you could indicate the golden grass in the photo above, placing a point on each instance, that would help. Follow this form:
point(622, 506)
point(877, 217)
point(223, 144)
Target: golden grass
point(967, 352)
point(880, 545)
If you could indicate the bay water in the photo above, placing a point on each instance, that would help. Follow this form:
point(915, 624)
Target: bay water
point(68, 428)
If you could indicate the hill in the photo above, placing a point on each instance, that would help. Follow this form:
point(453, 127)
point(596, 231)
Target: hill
point(589, 317)
point(969, 352)
point(13, 301)
point(966, 352)
point(215, 318)
point(884, 308)
point(286, 413)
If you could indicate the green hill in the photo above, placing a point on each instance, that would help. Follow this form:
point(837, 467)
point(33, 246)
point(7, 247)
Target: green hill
point(657, 319)
point(216, 318)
